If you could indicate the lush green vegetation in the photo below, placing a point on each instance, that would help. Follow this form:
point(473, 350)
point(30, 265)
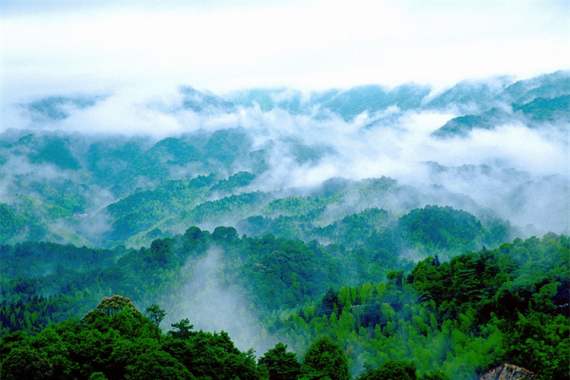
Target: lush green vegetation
point(454, 318)
point(109, 191)
point(327, 279)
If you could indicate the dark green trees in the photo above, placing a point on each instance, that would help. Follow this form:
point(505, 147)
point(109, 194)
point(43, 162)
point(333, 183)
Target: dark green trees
point(394, 370)
point(400, 370)
point(25, 362)
point(156, 315)
point(157, 365)
point(183, 329)
point(325, 360)
point(281, 365)
point(117, 342)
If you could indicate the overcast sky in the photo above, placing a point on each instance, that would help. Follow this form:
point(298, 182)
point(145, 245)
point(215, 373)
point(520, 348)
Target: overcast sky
point(71, 46)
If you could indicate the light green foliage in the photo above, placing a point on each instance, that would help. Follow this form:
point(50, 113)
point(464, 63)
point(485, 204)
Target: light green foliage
point(463, 326)
point(152, 189)
point(460, 317)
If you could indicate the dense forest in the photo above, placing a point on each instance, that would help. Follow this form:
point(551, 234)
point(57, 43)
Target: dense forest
point(256, 245)
point(279, 164)
point(444, 319)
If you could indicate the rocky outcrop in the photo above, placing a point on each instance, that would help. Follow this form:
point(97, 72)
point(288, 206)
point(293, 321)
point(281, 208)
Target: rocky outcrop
point(508, 372)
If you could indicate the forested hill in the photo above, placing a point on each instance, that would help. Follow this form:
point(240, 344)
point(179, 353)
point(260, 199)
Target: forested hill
point(285, 162)
point(369, 233)
point(442, 318)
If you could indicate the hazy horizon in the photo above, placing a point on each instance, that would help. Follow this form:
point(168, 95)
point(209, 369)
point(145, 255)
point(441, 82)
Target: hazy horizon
point(66, 46)
point(128, 61)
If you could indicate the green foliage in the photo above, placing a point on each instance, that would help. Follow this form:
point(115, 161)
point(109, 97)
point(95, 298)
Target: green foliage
point(226, 145)
point(463, 322)
point(240, 179)
point(183, 328)
point(116, 341)
point(8, 221)
point(394, 370)
point(434, 375)
point(413, 283)
point(546, 109)
point(441, 227)
point(540, 341)
point(280, 364)
point(26, 363)
point(156, 315)
point(56, 151)
point(455, 319)
point(157, 365)
point(325, 359)
point(152, 189)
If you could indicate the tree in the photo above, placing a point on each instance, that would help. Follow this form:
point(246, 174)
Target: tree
point(157, 365)
point(26, 363)
point(325, 358)
point(183, 328)
point(156, 315)
point(281, 365)
point(327, 304)
point(435, 261)
point(160, 252)
point(226, 234)
point(110, 307)
point(396, 278)
point(394, 370)
point(434, 375)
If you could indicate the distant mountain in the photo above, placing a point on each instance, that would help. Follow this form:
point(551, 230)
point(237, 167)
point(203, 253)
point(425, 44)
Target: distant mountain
point(543, 86)
point(543, 99)
point(470, 98)
point(201, 102)
point(469, 95)
point(59, 107)
point(462, 125)
point(373, 98)
point(269, 99)
point(117, 189)
point(547, 109)
point(487, 96)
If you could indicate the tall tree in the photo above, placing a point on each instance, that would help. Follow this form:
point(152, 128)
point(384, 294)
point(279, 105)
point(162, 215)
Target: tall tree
point(281, 365)
point(325, 359)
point(156, 315)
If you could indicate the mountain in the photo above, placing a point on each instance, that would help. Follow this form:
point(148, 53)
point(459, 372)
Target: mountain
point(372, 98)
point(544, 86)
point(59, 107)
point(343, 233)
point(469, 95)
point(204, 102)
point(532, 102)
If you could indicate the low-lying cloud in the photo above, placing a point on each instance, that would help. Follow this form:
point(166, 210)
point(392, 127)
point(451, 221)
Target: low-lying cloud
point(389, 142)
point(211, 305)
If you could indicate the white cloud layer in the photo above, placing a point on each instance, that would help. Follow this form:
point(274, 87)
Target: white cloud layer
point(315, 44)
point(137, 54)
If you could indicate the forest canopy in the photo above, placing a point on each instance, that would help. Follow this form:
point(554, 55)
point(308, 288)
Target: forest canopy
point(454, 319)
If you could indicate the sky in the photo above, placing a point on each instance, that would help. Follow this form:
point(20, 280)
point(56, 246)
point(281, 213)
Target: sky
point(79, 46)
point(136, 54)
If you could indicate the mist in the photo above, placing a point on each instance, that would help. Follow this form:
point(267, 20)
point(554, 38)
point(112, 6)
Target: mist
point(124, 122)
point(212, 304)
point(306, 142)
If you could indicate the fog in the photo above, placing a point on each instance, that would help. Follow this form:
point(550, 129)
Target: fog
point(242, 44)
point(212, 305)
point(486, 165)
point(326, 93)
